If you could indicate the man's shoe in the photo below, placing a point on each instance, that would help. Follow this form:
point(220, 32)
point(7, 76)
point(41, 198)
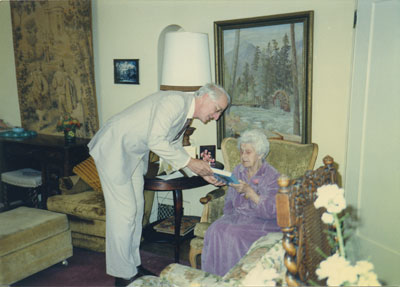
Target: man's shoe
point(144, 271)
point(121, 282)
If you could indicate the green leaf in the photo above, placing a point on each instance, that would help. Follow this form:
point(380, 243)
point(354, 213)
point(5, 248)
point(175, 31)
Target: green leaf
point(320, 252)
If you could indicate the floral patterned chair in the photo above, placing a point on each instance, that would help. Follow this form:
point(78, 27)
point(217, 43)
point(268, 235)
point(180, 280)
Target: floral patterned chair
point(289, 158)
point(263, 265)
point(272, 259)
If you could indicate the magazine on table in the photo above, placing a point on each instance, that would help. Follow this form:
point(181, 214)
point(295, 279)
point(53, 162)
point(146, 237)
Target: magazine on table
point(225, 176)
point(168, 225)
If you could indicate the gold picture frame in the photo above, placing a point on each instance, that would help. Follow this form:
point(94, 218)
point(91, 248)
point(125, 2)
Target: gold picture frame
point(269, 81)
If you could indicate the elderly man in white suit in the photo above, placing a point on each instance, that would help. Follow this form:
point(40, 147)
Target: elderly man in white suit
point(120, 150)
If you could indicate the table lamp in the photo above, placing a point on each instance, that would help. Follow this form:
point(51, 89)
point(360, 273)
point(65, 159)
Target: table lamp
point(186, 61)
point(186, 68)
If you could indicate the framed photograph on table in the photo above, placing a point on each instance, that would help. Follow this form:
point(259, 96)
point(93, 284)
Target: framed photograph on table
point(207, 153)
point(265, 64)
point(126, 71)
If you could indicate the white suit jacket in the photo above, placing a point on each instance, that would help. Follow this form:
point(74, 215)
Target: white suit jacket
point(150, 124)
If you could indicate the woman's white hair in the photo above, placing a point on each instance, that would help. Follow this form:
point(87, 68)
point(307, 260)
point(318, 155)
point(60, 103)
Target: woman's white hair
point(257, 139)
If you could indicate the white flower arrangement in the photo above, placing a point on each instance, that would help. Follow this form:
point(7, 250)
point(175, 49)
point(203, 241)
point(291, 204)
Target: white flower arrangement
point(336, 268)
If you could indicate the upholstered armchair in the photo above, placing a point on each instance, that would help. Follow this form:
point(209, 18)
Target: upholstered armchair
point(82, 200)
point(287, 258)
point(289, 158)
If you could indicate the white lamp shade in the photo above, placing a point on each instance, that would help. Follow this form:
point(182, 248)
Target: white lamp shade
point(186, 62)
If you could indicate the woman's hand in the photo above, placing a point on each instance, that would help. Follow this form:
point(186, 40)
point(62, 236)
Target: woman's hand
point(211, 179)
point(202, 168)
point(246, 190)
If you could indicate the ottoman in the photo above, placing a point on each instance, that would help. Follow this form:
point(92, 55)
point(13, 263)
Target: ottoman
point(26, 181)
point(31, 240)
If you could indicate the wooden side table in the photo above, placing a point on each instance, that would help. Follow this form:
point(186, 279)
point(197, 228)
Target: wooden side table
point(175, 185)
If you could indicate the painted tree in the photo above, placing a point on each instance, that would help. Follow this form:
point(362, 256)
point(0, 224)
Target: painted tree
point(235, 59)
point(256, 59)
point(262, 81)
point(296, 100)
point(247, 80)
point(284, 77)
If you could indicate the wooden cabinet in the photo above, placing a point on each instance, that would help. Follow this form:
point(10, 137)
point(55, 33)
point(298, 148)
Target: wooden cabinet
point(47, 153)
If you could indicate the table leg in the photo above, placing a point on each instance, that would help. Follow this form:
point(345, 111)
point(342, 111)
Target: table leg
point(178, 218)
point(44, 187)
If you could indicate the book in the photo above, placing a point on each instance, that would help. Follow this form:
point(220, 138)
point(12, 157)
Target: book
point(225, 176)
point(168, 225)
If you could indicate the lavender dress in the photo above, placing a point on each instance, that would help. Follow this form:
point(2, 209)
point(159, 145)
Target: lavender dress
point(228, 238)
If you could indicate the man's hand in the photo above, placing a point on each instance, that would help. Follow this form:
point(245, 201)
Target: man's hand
point(211, 179)
point(200, 167)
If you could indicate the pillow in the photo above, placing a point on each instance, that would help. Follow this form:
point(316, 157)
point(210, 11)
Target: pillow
point(88, 172)
point(73, 184)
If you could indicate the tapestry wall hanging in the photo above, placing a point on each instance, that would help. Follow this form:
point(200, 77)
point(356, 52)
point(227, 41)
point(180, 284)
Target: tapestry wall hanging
point(54, 64)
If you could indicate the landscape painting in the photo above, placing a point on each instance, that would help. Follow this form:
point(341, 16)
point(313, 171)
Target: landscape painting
point(265, 64)
point(126, 71)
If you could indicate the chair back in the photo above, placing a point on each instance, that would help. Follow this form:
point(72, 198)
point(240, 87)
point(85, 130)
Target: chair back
point(303, 230)
point(230, 153)
point(289, 158)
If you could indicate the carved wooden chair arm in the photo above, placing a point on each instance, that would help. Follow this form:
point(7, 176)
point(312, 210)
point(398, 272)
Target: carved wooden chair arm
point(214, 194)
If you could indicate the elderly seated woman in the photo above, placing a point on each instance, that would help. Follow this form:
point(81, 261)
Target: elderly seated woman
point(249, 210)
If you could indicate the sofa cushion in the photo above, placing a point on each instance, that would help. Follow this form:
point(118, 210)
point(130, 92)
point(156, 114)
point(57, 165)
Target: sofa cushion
point(150, 281)
point(182, 275)
point(201, 228)
point(263, 263)
point(197, 243)
point(88, 172)
point(36, 257)
point(87, 241)
point(73, 184)
point(25, 226)
point(85, 205)
point(94, 227)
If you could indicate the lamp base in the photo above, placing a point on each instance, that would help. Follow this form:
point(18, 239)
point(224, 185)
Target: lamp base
point(179, 88)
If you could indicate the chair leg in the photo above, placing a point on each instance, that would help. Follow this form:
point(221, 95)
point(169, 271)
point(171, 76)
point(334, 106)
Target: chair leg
point(5, 197)
point(33, 197)
point(193, 253)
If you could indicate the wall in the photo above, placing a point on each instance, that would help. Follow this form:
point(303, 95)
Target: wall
point(373, 172)
point(131, 29)
point(9, 106)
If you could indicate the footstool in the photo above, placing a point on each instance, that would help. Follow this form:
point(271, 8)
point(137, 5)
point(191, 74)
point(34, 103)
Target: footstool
point(31, 240)
point(25, 180)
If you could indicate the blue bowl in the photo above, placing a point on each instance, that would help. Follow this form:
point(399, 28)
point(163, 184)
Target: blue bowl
point(18, 130)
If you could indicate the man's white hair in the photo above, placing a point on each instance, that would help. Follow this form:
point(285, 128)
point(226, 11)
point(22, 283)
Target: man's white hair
point(214, 91)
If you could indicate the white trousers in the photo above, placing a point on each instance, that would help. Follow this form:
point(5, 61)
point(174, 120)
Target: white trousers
point(124, 214)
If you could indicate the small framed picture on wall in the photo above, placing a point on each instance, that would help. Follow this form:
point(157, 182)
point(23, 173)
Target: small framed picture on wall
point(126, 71)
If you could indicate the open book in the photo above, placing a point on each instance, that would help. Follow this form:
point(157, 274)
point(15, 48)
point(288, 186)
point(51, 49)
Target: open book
point(225, 176)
